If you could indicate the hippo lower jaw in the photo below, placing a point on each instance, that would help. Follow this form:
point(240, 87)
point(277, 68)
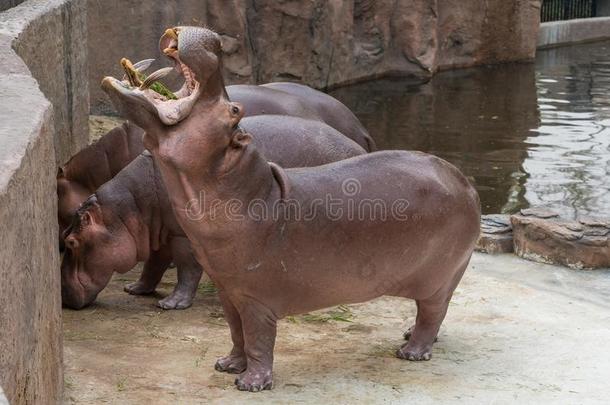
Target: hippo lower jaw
point(169, 110)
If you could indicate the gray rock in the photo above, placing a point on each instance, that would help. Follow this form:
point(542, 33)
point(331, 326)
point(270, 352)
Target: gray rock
point(543, 236)
point(496, 234)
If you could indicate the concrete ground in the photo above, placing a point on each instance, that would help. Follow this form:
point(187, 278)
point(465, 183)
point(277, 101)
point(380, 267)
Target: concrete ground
point(516, 331)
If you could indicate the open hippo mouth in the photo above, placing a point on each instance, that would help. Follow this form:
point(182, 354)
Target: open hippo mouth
point(147, 91)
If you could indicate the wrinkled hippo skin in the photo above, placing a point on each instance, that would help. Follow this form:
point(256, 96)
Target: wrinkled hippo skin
point(92, 167)
point(543, 236)
point(268, 267)
point(130, 218)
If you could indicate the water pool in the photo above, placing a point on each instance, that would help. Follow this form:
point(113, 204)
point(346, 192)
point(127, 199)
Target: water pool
point(535, 134)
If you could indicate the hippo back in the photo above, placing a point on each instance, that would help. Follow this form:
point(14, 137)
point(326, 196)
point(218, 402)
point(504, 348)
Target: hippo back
point(298, 142)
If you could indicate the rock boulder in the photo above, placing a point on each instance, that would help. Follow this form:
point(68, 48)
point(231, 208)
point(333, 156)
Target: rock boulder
point(542, 236)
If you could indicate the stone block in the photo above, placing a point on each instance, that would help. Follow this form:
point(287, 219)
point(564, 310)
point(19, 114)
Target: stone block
point(543, 236)
point(496, 234)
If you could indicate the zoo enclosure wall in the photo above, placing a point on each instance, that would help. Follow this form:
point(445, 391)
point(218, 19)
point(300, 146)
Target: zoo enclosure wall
point(53, 51)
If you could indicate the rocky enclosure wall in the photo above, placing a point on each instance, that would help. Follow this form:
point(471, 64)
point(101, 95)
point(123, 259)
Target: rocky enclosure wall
point(323, 43)
point(43, 120)
point(6, 4)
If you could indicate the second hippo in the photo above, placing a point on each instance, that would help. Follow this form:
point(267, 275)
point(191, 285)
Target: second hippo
point(130, 219)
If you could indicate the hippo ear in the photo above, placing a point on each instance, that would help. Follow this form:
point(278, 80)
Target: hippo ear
point(71, 242)
point(241, 139)
point(92, 215)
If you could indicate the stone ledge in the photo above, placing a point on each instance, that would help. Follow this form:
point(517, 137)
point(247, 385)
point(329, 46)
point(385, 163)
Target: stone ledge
point(557, 33)
point(496, 234)
point(542, 236)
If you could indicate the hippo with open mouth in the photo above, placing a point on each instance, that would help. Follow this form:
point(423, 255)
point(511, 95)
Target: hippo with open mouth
point(299, 253)
point(100, 162)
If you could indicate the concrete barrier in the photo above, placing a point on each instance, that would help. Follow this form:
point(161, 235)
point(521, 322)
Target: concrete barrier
point(42, 83)
point(557, 33)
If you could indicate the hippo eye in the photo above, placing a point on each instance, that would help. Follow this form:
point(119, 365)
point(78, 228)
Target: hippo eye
point(235, 110)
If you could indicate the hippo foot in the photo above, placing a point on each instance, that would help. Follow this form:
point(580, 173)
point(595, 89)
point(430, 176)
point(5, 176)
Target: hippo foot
point(409, 332)
point(138, 288)
point(414, 353)
point(231, 364)
point(254, 380)
point(175, 301)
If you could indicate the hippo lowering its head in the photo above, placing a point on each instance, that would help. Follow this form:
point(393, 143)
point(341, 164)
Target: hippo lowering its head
point(278, 241)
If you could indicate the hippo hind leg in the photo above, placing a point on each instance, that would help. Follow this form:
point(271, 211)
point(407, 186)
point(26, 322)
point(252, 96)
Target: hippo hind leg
point(430, 315)
point(422, 335)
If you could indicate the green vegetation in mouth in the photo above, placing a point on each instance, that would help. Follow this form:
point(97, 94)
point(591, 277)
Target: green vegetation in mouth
point(158, 87)
point(137, 78)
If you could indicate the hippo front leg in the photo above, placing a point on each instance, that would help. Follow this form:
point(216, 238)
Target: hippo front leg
point(189, 275)
point(235, 362)
point(154, 268)
point(259, 328)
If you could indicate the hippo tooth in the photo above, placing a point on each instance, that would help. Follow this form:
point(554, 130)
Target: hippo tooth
point(155, 76)
point(171, 32)
point(142, 65)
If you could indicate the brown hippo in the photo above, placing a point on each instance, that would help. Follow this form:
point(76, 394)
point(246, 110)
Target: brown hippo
point(92, 167)
point(130, 219)
point(279, 242)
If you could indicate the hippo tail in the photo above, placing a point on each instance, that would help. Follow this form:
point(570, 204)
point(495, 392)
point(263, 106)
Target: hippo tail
point(371, 146)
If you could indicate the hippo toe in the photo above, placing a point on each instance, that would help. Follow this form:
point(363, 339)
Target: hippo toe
point(176, 301)
point(254, 380)
point(139, 288)
point(231, 364)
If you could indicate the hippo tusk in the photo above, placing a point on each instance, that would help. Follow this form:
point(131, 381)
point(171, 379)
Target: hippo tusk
point(143, 65)
point(171, 33)
point(155, 76)
point(170, 51)
point(139, 67)
point(131, 74)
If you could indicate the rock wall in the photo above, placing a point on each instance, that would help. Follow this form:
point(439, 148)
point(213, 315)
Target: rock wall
point(43, 119)
point(6, 4)
point(323, 43)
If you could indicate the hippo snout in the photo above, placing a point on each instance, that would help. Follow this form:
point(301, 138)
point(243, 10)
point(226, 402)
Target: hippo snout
point(73, 301)
point(74, 295)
